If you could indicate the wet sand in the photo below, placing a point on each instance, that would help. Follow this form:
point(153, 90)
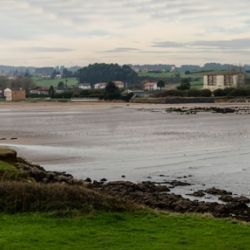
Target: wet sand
point(103, 140)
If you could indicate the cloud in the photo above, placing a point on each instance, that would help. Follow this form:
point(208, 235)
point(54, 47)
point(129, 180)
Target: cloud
point(240, 44)
point(47, 49)
point(168, 44)
point(122, 50)
point(89, 29)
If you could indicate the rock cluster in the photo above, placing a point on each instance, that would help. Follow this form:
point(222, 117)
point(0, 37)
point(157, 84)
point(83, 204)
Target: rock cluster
point(159, 197)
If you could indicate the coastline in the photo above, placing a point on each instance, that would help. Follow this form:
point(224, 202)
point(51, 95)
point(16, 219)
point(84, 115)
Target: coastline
point(144, 194)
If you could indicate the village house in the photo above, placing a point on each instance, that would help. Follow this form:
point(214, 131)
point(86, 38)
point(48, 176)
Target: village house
point(14, 95)
point(222, 80)
point(84, 86)
point(150, 86)
point(100, 85)
point(119, 84)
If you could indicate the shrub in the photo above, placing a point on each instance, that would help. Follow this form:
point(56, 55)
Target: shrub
point(232, 92)
point(199, 93)
point(112, 92)
point(31, 197)
point(239, 92)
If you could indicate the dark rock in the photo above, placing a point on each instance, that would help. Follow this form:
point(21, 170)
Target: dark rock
point(216, 191)
point(240, 199)
point(198, 193)
point(177, 183)
point(7, 154)
point(103, 180)
point(88, 180)
point(123, 176)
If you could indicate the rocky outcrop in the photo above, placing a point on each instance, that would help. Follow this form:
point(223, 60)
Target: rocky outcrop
point(7, 154)
point(159, 197)
point(39, 174)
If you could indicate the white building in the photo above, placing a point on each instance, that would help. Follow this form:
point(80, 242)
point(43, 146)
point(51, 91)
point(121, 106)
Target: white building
point(100, 85)
point(84, 86)
point(222, 80)
point(14, 95)
point(119, 84)
point(150, 86)
point(8, 95)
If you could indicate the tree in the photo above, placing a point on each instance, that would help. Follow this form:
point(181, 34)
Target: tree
point(51, 92)
point(112, 92)
point(61, 85)
point(4, 82)
point(101, 72)
point(25, 83)
point(185, 84)
point(160, 84)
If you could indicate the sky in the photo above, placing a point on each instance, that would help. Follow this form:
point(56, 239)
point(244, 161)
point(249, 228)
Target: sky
point(79, 32)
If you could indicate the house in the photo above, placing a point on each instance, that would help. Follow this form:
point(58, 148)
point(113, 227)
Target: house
point(150, 86)
point(84, 86)
point(222, 80)
point(14, 95)
point(119, 84)
point(100, 85)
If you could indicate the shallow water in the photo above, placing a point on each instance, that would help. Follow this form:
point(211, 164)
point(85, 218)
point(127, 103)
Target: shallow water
point(210, 149)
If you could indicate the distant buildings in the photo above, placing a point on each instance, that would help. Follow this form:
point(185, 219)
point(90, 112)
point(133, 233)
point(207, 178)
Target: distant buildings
point(84, 86)
point(150, 86)
point(222, 80)
point(14, 95)
point(119, 84)
point(100, 85)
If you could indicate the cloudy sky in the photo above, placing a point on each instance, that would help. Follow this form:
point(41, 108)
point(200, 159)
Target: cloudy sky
point(79, 32)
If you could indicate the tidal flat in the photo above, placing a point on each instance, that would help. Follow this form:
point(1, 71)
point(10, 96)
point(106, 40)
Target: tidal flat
point(135, 142)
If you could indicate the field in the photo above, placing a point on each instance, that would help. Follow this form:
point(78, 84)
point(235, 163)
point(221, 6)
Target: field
point(41, 82)
point(141, 230)
point(196, 78)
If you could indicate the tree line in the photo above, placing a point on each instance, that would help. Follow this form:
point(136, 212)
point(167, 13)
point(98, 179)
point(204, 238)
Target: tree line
point(102, 72)
point(20, 82)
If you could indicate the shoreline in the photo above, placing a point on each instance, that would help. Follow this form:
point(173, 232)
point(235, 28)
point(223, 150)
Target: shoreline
point(119, 142)
point(147, 194)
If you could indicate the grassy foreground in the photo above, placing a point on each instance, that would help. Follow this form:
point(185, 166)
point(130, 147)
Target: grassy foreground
point(140, 230)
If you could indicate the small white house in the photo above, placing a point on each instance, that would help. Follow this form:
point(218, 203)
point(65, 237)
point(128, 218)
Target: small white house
point(222, 80)
point(100, 85)
point(119, 84)
point(8, 95)
point(84, 86)
point(150, 86)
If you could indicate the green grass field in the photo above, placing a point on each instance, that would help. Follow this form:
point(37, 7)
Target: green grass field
point(141, 230)
point(41, 82)
point(196, 78)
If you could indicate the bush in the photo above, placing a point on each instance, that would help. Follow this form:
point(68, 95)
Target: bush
point(232, 92)
point(92, 93)
point(175, 92)
point(199, 93)
point(112, 92)
point(31, 197)
point(222, 92)
point(239, 92)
